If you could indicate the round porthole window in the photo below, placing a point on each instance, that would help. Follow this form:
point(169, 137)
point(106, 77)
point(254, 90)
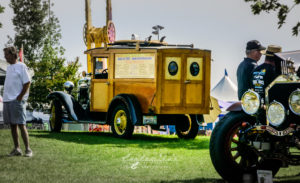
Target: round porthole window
point(194, 69)
point(173, 68)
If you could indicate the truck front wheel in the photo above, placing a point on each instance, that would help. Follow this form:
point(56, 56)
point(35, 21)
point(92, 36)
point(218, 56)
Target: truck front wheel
point(121, 123)
point(55, 116)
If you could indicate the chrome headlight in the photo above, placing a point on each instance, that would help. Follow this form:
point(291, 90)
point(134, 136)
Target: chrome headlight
point(250, 102)
point(68, 85)
point(276, 113)
point(294, 102)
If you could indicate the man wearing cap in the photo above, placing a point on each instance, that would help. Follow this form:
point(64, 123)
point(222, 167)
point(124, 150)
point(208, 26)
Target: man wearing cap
point(244, 71)
point(265, 73)
point(16, 90)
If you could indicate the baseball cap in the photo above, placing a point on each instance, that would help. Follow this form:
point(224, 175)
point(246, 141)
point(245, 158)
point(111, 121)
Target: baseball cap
point(254, 45)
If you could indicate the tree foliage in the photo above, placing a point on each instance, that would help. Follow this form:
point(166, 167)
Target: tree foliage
point(38, 30)
point(30, 24)
point(1, 11)
point(282, 10)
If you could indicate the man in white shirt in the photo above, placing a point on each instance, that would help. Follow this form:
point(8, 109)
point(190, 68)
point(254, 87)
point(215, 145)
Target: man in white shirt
point(16, 91)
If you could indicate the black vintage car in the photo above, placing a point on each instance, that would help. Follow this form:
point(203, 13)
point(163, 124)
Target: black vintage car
point(242, 142)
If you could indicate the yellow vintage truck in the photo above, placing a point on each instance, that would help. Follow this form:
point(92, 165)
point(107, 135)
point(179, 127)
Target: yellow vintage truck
point(133, 83)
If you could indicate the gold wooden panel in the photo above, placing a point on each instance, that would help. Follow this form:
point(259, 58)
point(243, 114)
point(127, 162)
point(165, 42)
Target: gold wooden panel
point(100, 96)
point(143, 90)
point(194, 93)
point(183, 110)
point(171, 94)
point(168, 76)
point(190, 60)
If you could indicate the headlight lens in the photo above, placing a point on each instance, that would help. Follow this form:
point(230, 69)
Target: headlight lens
point(294, 102)
point(276, 113)
point(250, 102)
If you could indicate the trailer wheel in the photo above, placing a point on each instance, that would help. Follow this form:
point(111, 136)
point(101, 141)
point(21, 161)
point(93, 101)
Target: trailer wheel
point(187, 127)
point(121, 123)
point(55, 116)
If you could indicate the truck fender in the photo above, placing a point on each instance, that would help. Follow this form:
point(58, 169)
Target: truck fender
point(132, 104)
point(237, 106)
point(66, 100)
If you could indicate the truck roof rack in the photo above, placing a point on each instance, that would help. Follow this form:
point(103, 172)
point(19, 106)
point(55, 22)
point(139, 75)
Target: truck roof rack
point(134, 43)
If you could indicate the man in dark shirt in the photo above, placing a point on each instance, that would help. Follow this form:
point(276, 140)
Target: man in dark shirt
point(244, 71)
point(265, 73)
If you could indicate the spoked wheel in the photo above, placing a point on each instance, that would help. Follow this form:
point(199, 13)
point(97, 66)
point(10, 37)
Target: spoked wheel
point(187, 127)
point(55, 116)
point(238, 153)
point(122, 125)
point(231, 157)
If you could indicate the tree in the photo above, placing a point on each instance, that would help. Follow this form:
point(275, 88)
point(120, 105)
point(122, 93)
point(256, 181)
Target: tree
point(1, 11)
point(30, 26)
point(38, 30)
point(282, 10)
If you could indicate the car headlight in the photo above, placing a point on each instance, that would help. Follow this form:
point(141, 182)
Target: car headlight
point(276, 113)
point(294, 102)
point(250, 102)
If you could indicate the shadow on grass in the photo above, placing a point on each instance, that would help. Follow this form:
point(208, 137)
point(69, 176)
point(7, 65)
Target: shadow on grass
point(280, 179)
point(283, 179)
point(4, 156)
point(199, 180)
point(137, 140)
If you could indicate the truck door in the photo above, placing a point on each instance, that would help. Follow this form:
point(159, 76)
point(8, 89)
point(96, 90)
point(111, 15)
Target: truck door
point(182, 83)
point(171, 82)
point(100, 84)
point(193, 81)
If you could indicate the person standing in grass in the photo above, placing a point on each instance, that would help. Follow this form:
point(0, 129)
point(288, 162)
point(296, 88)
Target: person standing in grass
point(16, 91)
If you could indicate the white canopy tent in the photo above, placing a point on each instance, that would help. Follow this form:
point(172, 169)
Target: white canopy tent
point(225, 90)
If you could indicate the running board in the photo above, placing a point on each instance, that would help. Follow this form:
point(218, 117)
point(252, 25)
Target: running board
point(84, 121)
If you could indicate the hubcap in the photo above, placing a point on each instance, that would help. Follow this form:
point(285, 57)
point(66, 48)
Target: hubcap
point(120, 122)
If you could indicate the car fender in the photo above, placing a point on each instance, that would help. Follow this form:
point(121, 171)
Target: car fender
point(132, 104)
point(66, 100)
point(237, 106)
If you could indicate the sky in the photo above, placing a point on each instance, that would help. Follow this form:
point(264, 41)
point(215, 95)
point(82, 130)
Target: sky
point(222, 26)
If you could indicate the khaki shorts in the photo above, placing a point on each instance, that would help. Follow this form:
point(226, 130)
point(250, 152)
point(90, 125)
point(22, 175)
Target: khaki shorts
point(14, 112)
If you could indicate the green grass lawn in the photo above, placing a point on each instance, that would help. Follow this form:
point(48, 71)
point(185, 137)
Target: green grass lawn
point(99, 157)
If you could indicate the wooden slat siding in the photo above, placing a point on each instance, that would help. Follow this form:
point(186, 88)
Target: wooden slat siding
point(159, 75)
point(182, 110)
point(144, 91)
point(207, 81)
